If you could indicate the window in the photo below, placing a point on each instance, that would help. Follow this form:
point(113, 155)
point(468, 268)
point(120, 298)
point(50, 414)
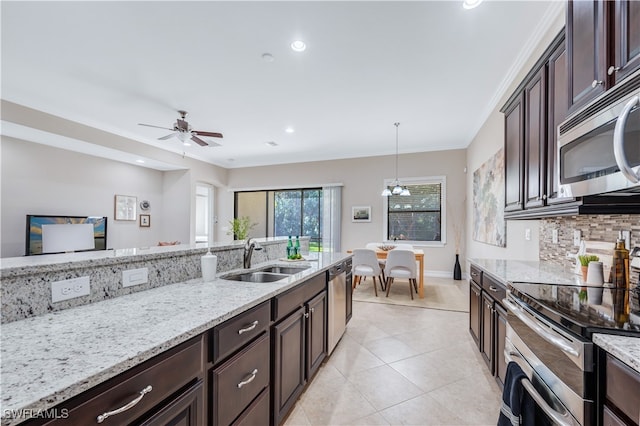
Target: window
point(419, 217)
point(204, 213)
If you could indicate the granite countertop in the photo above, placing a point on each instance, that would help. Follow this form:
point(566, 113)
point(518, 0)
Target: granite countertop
point(51, 358)
point(625, 348)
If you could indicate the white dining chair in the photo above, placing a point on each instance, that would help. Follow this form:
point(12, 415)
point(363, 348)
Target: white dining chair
point(381, 262)
point(401, 264)
point(365, 264)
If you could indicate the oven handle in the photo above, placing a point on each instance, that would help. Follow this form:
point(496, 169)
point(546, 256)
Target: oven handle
point(563, 419)
point(535, 326)
point(618, 142)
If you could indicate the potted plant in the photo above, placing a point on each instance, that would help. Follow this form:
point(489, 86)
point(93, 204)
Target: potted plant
point(240, 227)
point(584, 263)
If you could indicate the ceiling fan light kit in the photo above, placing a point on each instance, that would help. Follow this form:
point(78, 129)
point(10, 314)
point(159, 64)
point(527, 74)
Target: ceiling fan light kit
point(182, 130)
point(397, 188)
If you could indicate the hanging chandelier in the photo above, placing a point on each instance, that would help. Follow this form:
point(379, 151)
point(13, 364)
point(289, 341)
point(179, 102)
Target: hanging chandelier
point(397, 188)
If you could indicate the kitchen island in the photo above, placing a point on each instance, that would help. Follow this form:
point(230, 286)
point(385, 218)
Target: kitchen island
point(50, 358)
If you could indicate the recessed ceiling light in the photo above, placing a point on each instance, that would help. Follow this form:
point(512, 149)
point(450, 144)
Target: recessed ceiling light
point(140, 161)
point(298, 46)
point(268, 57)
point(185, 143)
point(271, 143)
point(470, 4)
point(289, 130)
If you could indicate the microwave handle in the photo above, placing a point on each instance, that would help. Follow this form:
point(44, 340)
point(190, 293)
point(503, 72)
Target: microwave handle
point(618, 142)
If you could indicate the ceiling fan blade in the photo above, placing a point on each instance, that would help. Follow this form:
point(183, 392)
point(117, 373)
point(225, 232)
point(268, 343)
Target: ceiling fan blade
point(198, 140)
point(182, 125)
point(157, 127)
point(210, 134)
point(164, 138)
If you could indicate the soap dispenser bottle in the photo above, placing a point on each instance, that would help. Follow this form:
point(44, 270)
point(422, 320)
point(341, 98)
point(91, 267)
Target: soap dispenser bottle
point(209, 264)
point(620, 282)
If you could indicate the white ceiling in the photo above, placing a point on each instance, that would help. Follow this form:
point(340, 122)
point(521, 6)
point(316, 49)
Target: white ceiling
point(435, 67)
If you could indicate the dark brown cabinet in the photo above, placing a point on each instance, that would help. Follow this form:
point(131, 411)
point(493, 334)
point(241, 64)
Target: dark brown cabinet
point(299, 342)
point(535, 139)
point(622, 392)
point(488, 320)
point(475, 304)
point(603, 47)
point(532, 115)
point(158, 385)
point(513, 154)
point(586, 51)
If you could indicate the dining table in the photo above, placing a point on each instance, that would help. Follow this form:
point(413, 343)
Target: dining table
point(419, 253)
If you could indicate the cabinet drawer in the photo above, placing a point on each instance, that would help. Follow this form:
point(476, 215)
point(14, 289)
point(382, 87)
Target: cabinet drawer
point(476, 274)
point(239, 330)
point(238, 381)
point(610, 419)
point(257, 414)
point(623, 388)
point(187, 409)
point(165, 376)
point(288, 302)
point(494, 288)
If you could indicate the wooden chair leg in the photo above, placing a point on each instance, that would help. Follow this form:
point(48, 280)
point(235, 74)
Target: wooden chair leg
point(411, 288)
point(375, 286)
point(415, 284)
point(389, 282)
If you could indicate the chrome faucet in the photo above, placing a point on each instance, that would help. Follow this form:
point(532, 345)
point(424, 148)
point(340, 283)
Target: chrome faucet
point(249, 247)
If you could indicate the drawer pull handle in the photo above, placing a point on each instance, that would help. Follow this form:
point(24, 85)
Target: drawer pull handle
point(494, 289)
point(251, 327)
point(252, 376)
point(102, 417)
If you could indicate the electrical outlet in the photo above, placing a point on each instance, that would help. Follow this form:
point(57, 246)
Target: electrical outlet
point(133, 277)
point(70, 289)
point(527, 234)
point(554, 236)
point(577, 236)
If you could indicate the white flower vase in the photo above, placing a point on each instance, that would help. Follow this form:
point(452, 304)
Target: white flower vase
point(595, 283)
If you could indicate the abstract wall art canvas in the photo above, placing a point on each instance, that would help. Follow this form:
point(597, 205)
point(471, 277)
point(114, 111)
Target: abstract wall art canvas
point(488, 202)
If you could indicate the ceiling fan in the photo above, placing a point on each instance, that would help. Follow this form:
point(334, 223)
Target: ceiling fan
point(182, 130)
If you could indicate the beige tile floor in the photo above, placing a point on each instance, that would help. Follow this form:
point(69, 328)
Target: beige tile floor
point(401, 365)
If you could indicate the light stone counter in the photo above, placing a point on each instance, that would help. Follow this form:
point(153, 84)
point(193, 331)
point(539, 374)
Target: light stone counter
point(626, 349)
point(50, 358)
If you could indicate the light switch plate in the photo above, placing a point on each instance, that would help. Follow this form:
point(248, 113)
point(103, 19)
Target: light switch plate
point(577, 236)
point(70, 289)
point(527, 234)
point(133, 277)
point(554, 236)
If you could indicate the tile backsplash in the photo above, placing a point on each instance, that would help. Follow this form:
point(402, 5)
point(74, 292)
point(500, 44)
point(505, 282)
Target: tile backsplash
point(594, 228)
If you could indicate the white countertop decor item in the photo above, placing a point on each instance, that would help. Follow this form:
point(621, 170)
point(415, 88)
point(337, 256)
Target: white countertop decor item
point(209, 265)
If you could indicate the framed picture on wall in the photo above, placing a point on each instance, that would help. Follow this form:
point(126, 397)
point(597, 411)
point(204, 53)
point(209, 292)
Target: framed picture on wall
point(145, 220)
point(361, 214)
point(125, 207)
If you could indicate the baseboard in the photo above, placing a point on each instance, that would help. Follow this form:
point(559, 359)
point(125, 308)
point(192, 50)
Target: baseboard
point(444, 274)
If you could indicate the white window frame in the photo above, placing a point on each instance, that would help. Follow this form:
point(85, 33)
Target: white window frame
point(442, 180)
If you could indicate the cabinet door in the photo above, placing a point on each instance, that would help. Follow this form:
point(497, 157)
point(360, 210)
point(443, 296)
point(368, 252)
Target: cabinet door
point(474, 311)
point(513, 148)
point(535, 139)
point(586, 51)
point(289, 362)
point(487, 331)
point(626, 39)
point(558, 106)
point(316, 332)
point(185, 410)
point(501, 333)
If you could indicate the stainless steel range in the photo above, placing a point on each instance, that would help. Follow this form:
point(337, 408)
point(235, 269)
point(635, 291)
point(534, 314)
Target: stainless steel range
point(549, 335)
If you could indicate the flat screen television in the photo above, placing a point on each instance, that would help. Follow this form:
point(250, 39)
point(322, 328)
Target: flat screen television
point(59, 234)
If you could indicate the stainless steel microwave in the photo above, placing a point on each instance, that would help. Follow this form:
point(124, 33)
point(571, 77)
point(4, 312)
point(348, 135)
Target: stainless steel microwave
point(599, 146)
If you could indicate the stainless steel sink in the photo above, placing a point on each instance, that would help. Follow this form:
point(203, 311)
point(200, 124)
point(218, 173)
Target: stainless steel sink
point(257, 277)
point(289, 270)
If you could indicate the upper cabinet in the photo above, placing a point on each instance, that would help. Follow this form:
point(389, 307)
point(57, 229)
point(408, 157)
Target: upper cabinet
point(531, 113)
point(603, 47)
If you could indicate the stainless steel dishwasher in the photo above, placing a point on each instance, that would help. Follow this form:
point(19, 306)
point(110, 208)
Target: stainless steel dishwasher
point(337, 285)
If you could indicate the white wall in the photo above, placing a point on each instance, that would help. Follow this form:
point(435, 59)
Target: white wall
point(363, 180)
point(486, 143)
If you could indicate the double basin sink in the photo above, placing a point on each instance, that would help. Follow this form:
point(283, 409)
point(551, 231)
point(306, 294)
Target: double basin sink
point(267, 274)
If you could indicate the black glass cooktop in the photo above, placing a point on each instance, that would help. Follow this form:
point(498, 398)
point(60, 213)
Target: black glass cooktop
point(583, 310)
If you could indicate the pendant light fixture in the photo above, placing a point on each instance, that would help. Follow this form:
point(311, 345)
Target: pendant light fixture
point(397, 189)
